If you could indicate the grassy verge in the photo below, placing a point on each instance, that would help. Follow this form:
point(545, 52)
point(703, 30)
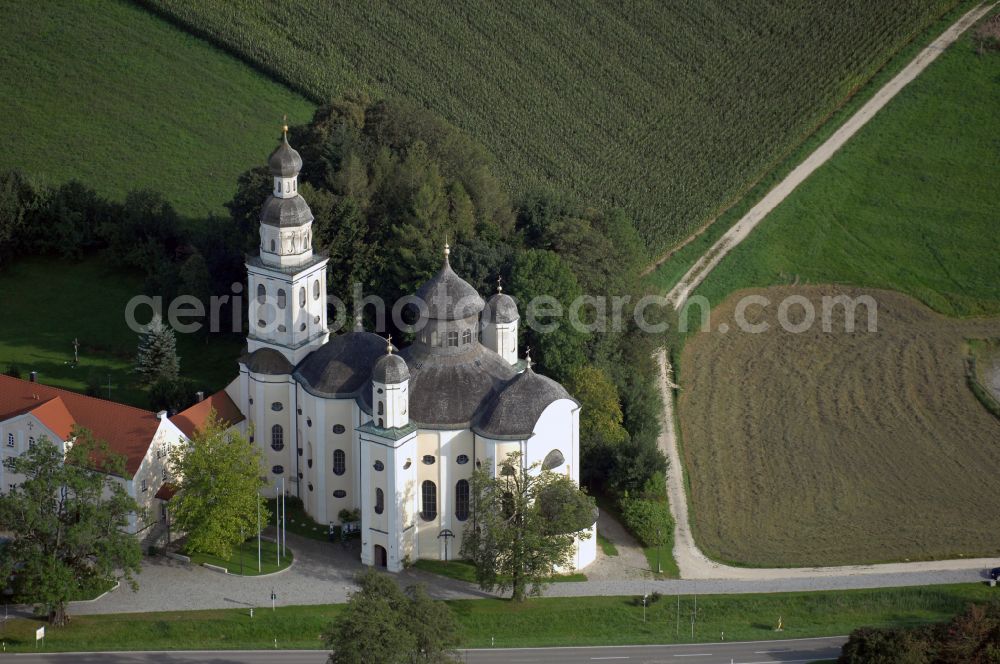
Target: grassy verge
point(244, 561)
point(86, 301)
point(666, 275)
point(537, 622)
point(607, 546)
point(106, 93)
point(463, 570)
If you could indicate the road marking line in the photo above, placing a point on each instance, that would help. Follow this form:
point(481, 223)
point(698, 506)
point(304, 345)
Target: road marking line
point(618, 657)
point(699, 654)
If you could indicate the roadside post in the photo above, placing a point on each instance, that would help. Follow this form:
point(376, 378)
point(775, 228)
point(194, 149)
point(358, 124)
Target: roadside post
point(273, 597)
point(39, 636)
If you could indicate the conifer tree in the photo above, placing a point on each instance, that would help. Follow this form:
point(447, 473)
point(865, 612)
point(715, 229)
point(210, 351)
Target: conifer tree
point(157, 356)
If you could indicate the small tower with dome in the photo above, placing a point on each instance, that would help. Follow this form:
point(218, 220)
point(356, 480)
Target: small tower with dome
point(499, 324)
point(390, 393)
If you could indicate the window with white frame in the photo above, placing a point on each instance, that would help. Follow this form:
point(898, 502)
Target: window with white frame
point(10, 440)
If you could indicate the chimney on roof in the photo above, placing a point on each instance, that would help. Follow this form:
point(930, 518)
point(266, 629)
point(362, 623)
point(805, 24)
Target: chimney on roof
point(33, 376)
point(199, 396)
point(162, 415)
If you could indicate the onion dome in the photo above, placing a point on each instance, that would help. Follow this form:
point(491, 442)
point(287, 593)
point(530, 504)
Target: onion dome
point(285, 162)
point(513, 414)
point(448, 296)
point(390, 369)
point(500, 308)
point(286, 212)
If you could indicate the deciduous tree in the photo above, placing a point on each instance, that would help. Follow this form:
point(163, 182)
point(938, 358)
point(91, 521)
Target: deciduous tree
point(218, 480)
point(523, 526)
point(68, 519)
point(386, 625)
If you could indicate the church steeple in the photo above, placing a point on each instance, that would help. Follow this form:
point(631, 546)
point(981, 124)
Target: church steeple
point(288, 282)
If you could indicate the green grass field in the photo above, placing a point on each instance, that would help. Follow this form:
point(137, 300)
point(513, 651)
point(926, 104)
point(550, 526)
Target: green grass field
point(244, 560)
point(670, 111)
point(106, 93)
point(908, 204)
point(86, 301)
point(538, 622)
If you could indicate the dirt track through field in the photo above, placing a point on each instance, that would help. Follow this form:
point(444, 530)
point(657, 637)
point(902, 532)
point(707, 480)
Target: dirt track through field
point(693, 564)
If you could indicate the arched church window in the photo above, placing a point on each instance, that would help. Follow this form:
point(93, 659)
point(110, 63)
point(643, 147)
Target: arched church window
point(379, 501)
point(467, 337)
point(316, 289)
point(273, 246)
point(302, 296)
point(453, 338)
point(462, 500)
point(261, 294)
point(381, 408)
point(434, 338)
point(339, 462)
point(288, 186)
point(552, 460)
point(281, 298)
point(277, 438)
point(428, 501)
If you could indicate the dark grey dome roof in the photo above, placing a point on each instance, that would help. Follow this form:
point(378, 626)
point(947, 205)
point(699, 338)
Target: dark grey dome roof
point(515, 411)
point(284, 161)
point(500, 308)
point(267, 361)
point(390, 369)
point(281, 212)
point(342, 366)
point(447, 391)
point(449, 297)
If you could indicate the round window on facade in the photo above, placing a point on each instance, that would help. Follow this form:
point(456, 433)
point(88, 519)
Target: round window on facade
point(379, 466)
point(309, 463)
point(553, 460)
point(339, 428)
point(309, 422)
point(340, 493)
point(428, 459)
point(276, 406)
point(277, 470)
point(462, 459)
point(302, 327)
point(310, 486)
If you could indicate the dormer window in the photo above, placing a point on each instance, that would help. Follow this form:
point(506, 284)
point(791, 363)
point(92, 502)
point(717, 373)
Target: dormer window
point(453, 338)
point(467, 337)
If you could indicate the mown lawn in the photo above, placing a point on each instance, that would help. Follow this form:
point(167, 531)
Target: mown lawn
point(909, 204)
point(47, 304)
point(243, 561)
point(106, 93)
point(669, 110)
point(537, 622)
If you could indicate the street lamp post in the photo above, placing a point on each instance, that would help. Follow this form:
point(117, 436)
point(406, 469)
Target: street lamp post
point(659, 545)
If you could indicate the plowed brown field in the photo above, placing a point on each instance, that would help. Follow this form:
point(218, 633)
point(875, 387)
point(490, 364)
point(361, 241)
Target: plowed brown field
point(834, 448)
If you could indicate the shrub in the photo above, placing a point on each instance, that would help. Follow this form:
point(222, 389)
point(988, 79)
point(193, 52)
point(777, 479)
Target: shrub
point(648, 519)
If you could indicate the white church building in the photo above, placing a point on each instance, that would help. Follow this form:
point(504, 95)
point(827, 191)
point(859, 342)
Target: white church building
point(347, 422)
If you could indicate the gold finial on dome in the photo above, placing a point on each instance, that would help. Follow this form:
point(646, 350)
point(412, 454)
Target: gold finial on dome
point(284, 125)
point(388, 344)
point(358, 323)
point(527, 356)
point(447, 247)
point(499, 283)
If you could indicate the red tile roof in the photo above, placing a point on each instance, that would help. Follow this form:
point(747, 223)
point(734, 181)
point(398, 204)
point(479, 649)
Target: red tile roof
point(196, 416)
point(126, 430)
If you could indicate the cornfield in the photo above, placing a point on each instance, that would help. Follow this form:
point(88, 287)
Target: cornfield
point(668, 110)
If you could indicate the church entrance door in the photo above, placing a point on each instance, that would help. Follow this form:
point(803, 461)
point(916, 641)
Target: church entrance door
point(381, 557)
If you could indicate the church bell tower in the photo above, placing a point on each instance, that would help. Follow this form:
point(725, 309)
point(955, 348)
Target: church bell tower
point(287, 281)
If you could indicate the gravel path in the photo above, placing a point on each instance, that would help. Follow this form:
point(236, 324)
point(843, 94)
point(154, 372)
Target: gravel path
point(630, 563)
point(693, 564)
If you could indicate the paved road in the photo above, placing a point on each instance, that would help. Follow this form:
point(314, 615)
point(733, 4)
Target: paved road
point(746, 652)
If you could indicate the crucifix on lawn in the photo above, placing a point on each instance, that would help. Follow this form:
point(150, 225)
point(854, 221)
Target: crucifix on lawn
point(76, 351)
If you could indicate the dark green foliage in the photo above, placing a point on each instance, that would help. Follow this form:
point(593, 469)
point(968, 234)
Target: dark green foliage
point(384, 624)
point(13, 371)
point(558, 347)
point(647, 514)
point(972, 637)
point(170, 394)
point(68, 524)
